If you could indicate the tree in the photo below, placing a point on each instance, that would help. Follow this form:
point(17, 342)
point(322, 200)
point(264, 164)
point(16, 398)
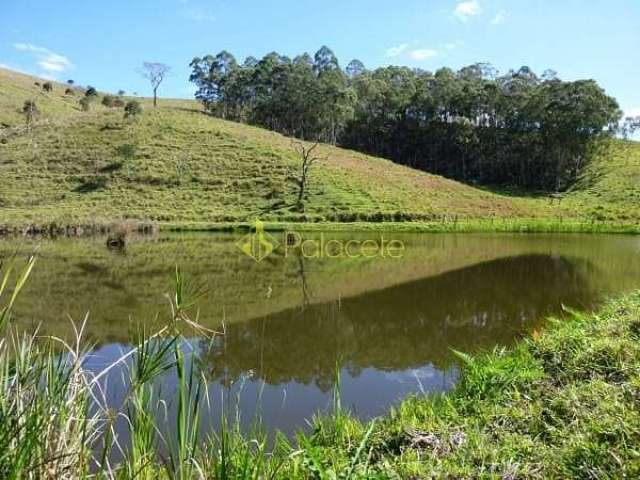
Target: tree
point(355, 68)
point(70, 82)
point(30, 111)
point(307, 160)
point(91, 92)
point(132, 110)
point(629, 127)
point(325, 59)
point(476, 125)
point(155, 73)
point(121, 93)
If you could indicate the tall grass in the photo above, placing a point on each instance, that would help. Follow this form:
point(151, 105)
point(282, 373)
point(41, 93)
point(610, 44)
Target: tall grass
point(55, 421)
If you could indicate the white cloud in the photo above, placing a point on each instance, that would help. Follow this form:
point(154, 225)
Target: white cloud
point(50, 62)
point(397, 50)
point(467, 9)
point(199, 14)
point(632, 112)
point(453, 45)
point(500, 17)
point(6, 66)
point(27, 47)
point(423, 54)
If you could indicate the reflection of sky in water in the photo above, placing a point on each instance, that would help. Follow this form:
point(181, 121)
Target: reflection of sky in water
point(286, 406)
point(425, 379)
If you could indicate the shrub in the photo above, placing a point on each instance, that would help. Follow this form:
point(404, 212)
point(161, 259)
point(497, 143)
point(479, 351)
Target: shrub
point(91, 92)
point(69, 91)
point(85, 103)
point(118, 102)
point(37, 84)
point(30, 111)
point(108, 100)
point(132, 110)
point(127, 151)
point(47, 87)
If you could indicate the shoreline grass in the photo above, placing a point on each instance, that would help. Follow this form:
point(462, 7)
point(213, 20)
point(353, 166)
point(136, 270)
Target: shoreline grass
point(498, 225)
point(445, 225)
point(561, 404)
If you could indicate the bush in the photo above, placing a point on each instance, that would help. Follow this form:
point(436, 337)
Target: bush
point(30, 111)
point(91, 92)
point(47, 87)
point(69, 91)
point(108, 101)
point(85, 103)
point(118, 102)
point(132, 110)
point(127, 151)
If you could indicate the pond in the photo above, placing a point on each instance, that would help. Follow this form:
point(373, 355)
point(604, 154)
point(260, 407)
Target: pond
point(388, 324)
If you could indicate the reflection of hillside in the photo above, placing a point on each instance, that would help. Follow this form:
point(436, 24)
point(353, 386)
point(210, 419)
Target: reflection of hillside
point(404, 326)
point(74, 276)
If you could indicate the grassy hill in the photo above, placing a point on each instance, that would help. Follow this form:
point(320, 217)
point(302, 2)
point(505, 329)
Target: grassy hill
point(178, 166)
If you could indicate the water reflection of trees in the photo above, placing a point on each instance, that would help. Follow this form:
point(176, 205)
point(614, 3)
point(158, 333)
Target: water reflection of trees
point(403, 327)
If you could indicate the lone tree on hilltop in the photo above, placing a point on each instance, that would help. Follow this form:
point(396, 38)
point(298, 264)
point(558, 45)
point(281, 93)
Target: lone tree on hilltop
point(155, 73)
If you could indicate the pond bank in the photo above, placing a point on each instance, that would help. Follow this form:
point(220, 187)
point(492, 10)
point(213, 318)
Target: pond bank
point(445, 225)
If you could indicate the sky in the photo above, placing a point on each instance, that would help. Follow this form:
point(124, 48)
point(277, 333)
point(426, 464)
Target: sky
point(104, 43)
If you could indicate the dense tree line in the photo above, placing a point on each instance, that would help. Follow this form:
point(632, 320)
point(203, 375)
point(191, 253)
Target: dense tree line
point(517, 129)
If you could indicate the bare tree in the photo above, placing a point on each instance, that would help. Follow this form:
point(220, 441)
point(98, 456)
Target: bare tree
point(155, 73)
point(307, 160)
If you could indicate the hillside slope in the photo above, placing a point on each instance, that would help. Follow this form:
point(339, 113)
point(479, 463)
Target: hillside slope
point(177, 165)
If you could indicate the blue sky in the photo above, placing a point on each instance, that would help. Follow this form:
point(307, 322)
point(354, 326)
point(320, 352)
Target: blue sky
point(104, 43)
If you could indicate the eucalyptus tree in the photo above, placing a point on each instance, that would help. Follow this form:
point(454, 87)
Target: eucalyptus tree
point(516, 129)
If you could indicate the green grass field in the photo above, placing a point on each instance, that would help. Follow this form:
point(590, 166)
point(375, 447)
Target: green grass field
point(178, 167)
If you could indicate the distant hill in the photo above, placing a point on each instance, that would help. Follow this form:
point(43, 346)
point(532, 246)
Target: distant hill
point(177, 165)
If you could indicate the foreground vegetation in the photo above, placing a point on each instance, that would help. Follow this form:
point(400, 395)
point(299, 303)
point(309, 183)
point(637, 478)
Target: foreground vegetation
point(563, 404)
point(178, 167)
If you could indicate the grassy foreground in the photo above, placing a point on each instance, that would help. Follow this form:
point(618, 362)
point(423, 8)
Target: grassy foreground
point(563, 404)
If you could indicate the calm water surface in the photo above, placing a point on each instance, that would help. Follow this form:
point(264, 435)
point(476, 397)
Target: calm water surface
point(390, 324)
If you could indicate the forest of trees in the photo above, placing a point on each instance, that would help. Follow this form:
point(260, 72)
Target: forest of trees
point(475, 125)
